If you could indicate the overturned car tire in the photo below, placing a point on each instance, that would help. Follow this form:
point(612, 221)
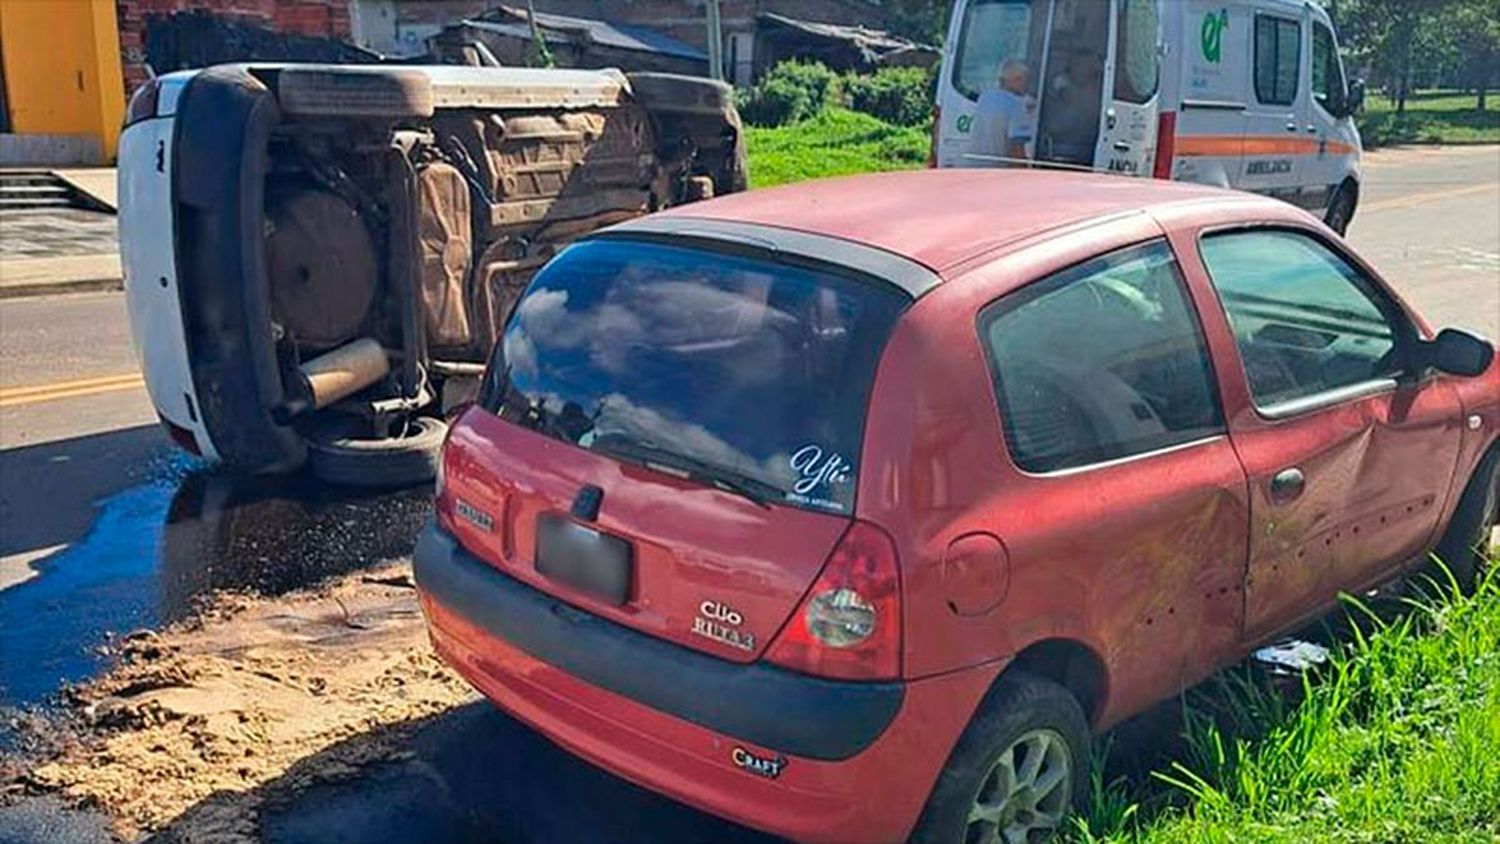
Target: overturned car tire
point(389, 462)
point(354, 92)
point(683, 94)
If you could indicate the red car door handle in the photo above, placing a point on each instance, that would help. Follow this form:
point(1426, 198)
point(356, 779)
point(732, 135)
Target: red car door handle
point(1287, 484)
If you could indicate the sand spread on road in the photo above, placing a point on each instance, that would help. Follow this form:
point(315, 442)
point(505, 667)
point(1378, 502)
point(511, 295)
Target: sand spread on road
point(200, 723)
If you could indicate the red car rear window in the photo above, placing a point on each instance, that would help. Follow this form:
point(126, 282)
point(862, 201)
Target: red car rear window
point(735, 369)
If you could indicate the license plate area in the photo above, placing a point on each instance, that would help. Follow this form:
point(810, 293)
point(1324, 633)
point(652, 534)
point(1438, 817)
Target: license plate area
point(594, 563)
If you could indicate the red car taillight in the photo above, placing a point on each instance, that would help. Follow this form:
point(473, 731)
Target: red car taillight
point(467, 501)
point(1166, 144)
point(849, 624)
point(442, 504)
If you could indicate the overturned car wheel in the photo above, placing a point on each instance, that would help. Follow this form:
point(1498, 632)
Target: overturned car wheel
point(359, 92)
point(407, 459)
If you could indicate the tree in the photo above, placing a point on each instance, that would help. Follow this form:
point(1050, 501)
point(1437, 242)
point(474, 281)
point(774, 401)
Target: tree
point(1402, 41)
point(1473, 27)
point(924, 21)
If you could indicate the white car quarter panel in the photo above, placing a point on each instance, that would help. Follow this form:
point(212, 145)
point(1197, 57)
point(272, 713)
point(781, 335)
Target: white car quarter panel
point(151, 293)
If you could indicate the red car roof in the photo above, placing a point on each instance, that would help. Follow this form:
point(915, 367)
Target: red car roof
point(941, 217)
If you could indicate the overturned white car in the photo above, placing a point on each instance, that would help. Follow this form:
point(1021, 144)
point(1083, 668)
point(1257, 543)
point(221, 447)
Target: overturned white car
point(319, 259)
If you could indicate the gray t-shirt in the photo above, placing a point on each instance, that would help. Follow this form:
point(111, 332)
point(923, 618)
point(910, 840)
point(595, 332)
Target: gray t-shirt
point(1000, 119)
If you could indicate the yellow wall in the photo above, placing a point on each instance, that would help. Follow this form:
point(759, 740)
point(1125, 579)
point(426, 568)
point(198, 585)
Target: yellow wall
point(62, 68)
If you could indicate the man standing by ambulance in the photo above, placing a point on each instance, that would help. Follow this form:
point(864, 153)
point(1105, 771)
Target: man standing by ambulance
point(1004, 120)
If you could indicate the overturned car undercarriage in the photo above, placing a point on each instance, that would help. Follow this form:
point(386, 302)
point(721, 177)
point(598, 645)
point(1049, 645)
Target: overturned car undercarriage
point(351, 240)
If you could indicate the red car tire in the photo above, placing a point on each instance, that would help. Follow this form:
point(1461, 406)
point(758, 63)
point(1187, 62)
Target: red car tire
point(1019, 706)
point(1463, 548)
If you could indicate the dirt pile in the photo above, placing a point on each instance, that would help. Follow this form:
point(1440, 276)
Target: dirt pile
point(204, 715)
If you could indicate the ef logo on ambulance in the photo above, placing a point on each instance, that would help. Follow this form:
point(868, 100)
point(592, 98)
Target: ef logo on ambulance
point(1212, 35)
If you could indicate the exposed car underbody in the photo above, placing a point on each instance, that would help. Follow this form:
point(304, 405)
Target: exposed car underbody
point(351, 240)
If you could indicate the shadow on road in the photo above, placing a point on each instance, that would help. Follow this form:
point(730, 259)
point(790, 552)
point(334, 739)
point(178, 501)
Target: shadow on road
point(471, 774)
point(47, 490)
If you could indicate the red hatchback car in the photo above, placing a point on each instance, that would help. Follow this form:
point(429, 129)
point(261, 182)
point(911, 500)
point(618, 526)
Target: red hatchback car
point(849, 510)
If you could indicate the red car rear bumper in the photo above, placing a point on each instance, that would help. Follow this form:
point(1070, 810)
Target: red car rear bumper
point(875, 794)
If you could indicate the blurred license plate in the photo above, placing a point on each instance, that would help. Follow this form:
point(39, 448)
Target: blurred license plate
point(583, 558)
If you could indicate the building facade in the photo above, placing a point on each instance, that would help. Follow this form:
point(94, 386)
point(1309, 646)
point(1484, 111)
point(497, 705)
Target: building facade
point(401, 27)
point(67, 67)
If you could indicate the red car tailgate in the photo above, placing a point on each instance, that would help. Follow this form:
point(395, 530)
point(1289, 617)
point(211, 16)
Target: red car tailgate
point(699, 555)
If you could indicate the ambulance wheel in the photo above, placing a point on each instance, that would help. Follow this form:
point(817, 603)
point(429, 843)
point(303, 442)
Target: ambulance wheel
point(1341, 207)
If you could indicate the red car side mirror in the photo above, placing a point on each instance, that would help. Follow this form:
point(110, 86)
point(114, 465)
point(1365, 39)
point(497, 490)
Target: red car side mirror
point(1457, 353)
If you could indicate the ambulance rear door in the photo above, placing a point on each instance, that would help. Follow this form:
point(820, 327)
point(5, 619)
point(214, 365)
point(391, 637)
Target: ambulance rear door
point(1127, 143)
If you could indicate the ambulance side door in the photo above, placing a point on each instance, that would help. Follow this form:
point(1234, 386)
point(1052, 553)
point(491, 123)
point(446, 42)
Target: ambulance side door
point(1276, 114)
point(1329, 124)
point(1213, 41)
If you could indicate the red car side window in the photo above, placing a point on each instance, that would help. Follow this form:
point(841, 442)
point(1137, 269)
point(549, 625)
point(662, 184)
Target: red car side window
point(1101, 361)
point(1305, 320)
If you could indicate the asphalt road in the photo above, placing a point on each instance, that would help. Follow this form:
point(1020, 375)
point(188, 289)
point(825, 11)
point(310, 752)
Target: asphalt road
point(87, 480)
point(1429, 220)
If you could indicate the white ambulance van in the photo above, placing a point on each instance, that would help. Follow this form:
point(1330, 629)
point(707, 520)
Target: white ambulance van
point(1248, 94)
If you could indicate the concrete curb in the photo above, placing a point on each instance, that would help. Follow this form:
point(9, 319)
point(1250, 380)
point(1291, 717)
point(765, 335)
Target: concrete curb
point(66, 274)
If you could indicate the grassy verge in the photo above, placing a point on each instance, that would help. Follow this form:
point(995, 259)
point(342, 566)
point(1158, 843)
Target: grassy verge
point(833, 143)
point(1431, 117)
point(838, 141)
point(1396, 740)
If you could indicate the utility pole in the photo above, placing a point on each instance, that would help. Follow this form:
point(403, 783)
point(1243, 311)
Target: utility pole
point(538, 41)
point(715, 40)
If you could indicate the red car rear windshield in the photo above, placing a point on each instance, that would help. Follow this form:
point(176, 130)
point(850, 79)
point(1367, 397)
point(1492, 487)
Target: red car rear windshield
point(741, 372)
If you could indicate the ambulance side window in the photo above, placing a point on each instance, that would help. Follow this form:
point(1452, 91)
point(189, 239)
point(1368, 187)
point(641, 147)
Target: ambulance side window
point(1278, 49)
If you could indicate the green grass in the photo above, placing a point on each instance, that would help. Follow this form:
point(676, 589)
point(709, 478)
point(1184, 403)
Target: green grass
point(1396, 740)
point(838, 141)
point(833, 143)
point(1432, 117)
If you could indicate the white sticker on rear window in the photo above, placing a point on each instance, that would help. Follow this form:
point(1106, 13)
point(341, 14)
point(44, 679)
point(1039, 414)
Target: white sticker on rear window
point(819, 471)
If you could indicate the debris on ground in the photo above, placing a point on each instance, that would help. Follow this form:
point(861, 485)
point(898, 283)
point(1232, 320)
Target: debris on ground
point(1291, 657)
point(185, 733)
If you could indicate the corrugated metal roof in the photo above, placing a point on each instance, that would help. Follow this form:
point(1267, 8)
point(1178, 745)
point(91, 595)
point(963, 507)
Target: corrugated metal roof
point(616, 35)
point(876, 39)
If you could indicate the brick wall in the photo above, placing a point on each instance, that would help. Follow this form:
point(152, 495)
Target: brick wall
point(326, 18)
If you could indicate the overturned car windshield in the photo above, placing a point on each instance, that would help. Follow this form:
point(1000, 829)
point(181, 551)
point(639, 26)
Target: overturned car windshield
point(742, 373)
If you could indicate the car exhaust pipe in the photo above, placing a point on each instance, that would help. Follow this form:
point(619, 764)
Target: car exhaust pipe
point(344, 371)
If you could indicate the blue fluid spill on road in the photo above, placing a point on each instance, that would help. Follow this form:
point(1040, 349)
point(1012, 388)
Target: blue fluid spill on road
point(154, 550)
point(54, 622)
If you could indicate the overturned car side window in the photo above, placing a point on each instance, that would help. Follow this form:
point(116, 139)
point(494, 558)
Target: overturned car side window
point(738, 368)
point(1099, 362)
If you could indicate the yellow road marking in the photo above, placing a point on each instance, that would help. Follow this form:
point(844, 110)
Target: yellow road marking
point(1419, 198)
point(13, 396)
